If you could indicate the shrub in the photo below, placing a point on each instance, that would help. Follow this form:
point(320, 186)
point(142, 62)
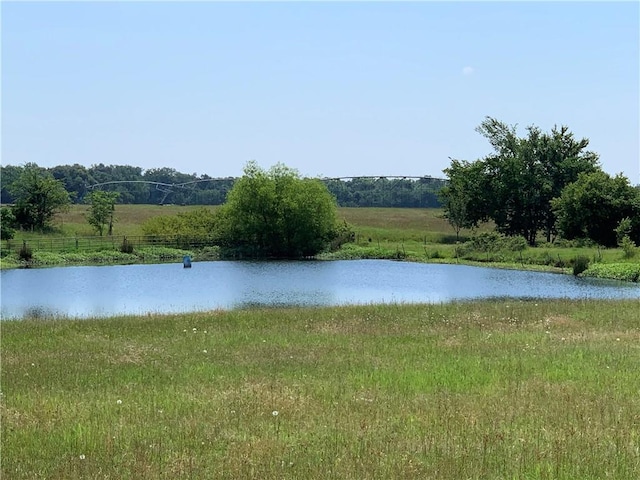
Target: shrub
point(580, 264)
point(628, 247)
point(351, 251)
point(486, 241)
point(183, 230)
point(343, 233)
point(623, 230)
point(516, 243)
point(25, 253)
point(127, 246)
point(492, 247)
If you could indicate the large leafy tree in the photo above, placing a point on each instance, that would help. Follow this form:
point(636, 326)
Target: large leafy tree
point(464, 200)
point(561, 160)
point(514, 185)
point(594, 206)
point(102, 207)
point(38, 197)
point(277, 213)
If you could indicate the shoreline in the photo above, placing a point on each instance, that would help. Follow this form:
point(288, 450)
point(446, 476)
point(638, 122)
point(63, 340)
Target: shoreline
point(626, 272)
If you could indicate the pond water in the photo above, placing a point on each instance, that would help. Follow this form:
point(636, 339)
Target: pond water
point(138, 289)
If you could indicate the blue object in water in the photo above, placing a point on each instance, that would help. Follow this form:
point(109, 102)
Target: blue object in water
point(186, 261)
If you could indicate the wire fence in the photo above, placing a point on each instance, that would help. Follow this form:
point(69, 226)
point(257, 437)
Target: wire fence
point(113, 242)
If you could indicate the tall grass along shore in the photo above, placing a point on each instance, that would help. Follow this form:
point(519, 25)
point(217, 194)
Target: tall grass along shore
point(480, 390)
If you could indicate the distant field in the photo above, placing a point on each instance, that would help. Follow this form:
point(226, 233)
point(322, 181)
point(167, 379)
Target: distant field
point(129, 218)
point(415, 223)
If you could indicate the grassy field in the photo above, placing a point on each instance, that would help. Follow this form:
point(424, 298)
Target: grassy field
point(484, 390)
point(129, 219)
point(414, 222)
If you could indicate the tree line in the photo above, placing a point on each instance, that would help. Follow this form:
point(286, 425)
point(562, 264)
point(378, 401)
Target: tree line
point(140, 187)
point(545, 184)
point(166, 185)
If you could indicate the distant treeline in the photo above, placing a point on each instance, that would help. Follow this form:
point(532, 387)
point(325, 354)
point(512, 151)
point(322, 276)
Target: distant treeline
point(167, 185)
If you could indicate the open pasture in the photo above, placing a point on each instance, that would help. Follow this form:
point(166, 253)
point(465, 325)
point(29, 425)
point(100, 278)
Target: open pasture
point(412, 221)
point(493, 389)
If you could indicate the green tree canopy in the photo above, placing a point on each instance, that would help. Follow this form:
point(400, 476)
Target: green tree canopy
point(75, 178)
point(38, 197)
point(7, 223)
point(102, 209)
point(166, 185)
point(8, 175)
point(595, 205)
point(515, 184)
point(276, 213)
point(464, 199)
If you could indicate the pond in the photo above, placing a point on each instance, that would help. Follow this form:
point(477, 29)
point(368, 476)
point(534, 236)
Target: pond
point(170, 288)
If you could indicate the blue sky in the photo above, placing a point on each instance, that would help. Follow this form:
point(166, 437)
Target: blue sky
point(328, 88)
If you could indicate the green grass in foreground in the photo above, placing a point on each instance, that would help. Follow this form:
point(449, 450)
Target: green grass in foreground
point(494, 389)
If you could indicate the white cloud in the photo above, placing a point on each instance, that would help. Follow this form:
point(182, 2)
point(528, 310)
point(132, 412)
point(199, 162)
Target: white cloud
point(468, 70)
